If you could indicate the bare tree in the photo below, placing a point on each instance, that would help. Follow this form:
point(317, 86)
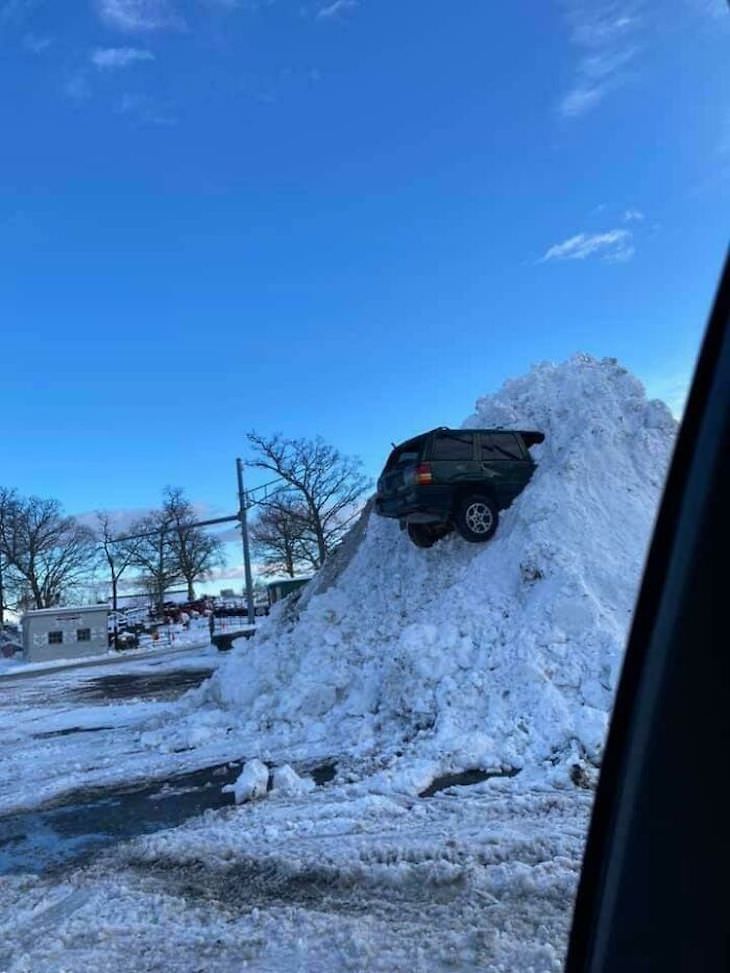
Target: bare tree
point(280, 538)
point(154, 555)
point(326, 486)
point(118, 554)
point(196, 552)
point(8, 499)
point(47, 552)
point(2, 591)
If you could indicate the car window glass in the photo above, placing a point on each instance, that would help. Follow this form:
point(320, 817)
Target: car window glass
point(500, 445)
point(399, 457)
point(454, 446)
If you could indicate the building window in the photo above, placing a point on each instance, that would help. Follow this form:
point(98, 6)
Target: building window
point(83, 634)
point(55, 638)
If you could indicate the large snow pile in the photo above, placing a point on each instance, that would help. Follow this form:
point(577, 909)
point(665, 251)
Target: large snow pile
point(497, 656)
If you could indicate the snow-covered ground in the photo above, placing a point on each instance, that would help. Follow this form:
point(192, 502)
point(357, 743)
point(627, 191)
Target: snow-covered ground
point(61, 731)
point(398, 666)
point(335, 881)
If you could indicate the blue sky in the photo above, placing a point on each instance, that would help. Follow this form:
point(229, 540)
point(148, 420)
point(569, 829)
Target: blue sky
point(339, 218)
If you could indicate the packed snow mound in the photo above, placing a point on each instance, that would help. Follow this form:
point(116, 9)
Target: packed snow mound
point(497, 656)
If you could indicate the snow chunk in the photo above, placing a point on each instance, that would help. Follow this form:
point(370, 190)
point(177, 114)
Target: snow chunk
point(252, 782)
point(287, 781)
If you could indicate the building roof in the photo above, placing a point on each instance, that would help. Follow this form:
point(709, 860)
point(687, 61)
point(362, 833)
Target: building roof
point(66, 611)
point(288, 580)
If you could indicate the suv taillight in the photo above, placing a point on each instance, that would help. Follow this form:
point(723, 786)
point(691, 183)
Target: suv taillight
point(423, 474)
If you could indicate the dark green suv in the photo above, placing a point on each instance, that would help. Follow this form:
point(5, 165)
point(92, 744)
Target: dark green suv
point(458, 478)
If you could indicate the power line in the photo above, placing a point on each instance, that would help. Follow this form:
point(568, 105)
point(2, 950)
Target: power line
point(168, 524)
point(250, 498)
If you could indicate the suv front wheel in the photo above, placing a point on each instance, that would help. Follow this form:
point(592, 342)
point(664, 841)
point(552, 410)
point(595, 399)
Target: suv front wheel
point(476, 518)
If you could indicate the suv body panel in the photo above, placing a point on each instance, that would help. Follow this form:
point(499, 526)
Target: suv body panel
point(496, 462)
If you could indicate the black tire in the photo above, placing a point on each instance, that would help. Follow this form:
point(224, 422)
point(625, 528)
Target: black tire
point(422, 535)
point(477, 518)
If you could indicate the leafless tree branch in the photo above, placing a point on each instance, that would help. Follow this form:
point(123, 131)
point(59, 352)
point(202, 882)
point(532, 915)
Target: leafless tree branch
point(324, 491)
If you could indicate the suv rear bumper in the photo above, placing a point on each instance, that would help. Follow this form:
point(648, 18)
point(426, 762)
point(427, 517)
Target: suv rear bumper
point(420, 504)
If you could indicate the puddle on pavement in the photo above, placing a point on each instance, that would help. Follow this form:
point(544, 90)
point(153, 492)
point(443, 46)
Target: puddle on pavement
point(68, 731)
point(141, 685)
point(49, 839)
point(465, 778)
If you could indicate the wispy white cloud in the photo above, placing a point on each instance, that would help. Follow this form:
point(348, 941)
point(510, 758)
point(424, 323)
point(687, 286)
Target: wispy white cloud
point(145, 109)
point(336, 9)
point(36, 44)
point(121, 520)
point(613, 246)
point(119, 57)
point(633, 216)
point(77, 87)
point(139, 16)
point(606, 34)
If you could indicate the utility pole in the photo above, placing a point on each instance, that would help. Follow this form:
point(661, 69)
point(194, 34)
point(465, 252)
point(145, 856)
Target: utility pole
point(242, 505)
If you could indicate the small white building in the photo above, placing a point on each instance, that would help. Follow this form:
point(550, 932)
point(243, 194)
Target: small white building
point(64, 633)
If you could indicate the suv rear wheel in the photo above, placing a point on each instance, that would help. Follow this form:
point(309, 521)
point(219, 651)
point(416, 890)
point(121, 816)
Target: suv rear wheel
point(422, 535)
point(476, 518)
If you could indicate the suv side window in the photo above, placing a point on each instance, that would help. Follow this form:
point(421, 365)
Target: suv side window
point(500, 445)
point(453, 446)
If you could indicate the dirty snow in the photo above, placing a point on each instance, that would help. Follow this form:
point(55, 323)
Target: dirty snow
point(333, 882)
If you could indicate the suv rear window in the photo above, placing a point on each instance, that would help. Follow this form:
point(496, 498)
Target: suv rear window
point(500, 445)
point(407, 453)
point(454, 445)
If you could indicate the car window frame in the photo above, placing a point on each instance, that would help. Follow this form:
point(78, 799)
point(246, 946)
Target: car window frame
point(417, 441)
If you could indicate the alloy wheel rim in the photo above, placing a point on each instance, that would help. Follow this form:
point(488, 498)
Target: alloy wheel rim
point(479, 518)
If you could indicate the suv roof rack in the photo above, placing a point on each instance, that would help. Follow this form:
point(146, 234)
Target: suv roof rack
point(531, 436)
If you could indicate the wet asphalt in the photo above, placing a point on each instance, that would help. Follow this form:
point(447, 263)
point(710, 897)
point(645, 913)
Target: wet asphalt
point(54, 837)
